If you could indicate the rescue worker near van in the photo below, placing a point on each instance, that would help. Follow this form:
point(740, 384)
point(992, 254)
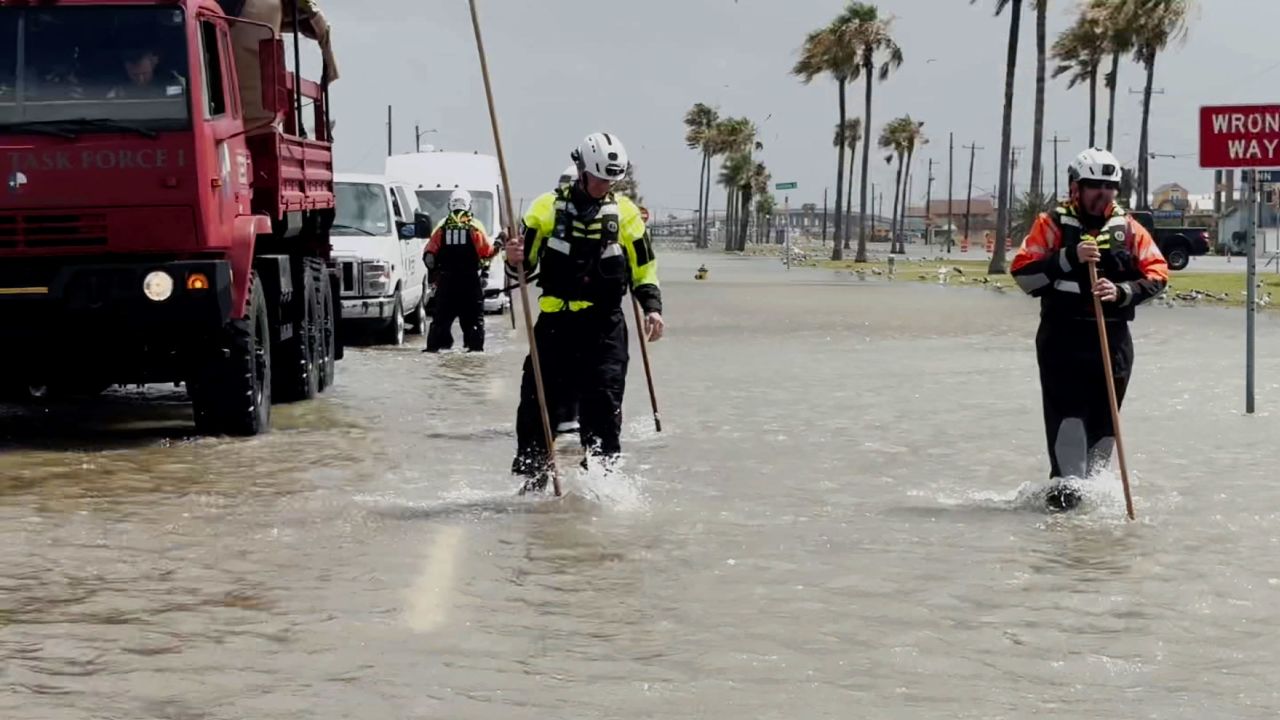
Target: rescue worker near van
point(1052, 264)
point(590, 248)
point(453, 256)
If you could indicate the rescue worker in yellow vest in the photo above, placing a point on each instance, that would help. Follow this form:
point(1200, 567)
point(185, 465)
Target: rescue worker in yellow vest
point(590, 247)
point(453, 256)
point(1052, 264)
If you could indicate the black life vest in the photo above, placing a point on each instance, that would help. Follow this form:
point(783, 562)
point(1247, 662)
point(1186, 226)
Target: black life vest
point(457, 255)
point(1072, 297)
point(582, 259)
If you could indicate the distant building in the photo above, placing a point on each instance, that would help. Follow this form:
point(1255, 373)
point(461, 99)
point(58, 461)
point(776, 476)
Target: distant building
point(1171, 197)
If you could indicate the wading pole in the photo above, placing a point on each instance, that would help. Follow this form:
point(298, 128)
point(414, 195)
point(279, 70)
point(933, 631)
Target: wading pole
point(511, 234)
point(644, 352)
point(1111, 389)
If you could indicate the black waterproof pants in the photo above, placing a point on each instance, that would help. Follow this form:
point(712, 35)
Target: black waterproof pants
point(584, 355)
point(1077, 411)
point(460, 299)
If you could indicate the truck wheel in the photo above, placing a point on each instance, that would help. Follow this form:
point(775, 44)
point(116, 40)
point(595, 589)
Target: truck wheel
point(393, 333)
point(232, 394)
point(1178, 258)
point(297, 369)
point(328, 338)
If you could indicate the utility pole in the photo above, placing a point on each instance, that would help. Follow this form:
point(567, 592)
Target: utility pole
point(1056, 142)
point(418, 132)
point(928, 198)
point(951, 161)
point(388, 131)
point(968, 203)
point(1013, 181)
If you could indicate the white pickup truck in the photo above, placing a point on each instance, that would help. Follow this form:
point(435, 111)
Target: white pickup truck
point(378, 237)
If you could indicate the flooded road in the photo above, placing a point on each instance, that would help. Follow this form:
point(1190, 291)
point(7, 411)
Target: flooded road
point(837, 521)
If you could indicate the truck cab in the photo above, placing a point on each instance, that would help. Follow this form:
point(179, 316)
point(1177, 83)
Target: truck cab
point(185, 241)
point(1177, 244)
point(378, 237)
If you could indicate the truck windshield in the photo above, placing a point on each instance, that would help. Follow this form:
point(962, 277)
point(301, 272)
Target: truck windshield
point(436, 204)
point(362, 210)
point(88, 69)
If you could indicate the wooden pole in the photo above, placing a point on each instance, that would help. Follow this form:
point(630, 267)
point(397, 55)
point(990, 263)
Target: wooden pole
point(524, 286)
point(1111, 390)
point(644, 353)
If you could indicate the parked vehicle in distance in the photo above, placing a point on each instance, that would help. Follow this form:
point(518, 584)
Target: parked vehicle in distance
point(1178, 244)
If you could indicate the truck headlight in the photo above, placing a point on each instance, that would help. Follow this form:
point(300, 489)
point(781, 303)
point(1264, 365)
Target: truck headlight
point(377, 277)
point(157, 286)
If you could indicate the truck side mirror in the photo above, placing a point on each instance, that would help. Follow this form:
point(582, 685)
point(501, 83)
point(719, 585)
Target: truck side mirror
point(275, 91)
point(422, 225)
point(407, 231)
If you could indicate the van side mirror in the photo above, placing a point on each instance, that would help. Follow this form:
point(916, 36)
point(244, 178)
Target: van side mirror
point(407, 231)
point(275, 93)
point(422, 225)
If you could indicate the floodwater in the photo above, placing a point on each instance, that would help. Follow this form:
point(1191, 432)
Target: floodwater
point(839, 520)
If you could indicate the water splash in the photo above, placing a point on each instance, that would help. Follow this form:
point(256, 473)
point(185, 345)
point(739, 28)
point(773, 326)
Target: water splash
point(609, 486)
point(1101, 495)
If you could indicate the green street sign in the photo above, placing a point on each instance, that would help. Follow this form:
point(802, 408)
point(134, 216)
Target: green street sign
point(785, 186)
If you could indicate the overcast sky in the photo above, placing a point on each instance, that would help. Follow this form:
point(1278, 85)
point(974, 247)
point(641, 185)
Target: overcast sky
point(564, 68)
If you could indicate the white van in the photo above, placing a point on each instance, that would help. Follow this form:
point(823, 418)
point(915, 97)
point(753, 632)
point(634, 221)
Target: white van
point(435, 174)
point(378, 237)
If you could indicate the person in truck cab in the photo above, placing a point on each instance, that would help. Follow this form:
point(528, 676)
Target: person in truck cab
point(590, 247)
point(140, 63)
point(1052, 264)
point(453, 256)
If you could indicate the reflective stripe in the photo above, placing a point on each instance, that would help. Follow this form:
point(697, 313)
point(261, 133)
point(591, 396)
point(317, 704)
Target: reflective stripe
point(1068, 220)
point(457, 236)
point(1031, 283)
point(1116, 222)
point(1069, 286)
point(609, 209)
point(561, 246)
point(1128, 293)
point(1064, 262)
point(613, 250)
point(550, 304)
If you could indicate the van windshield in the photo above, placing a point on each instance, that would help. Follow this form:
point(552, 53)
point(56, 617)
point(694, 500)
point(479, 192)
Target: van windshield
point(436, 204)
point(361, 209)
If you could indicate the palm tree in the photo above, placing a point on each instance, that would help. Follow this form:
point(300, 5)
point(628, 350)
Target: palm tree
point(828, 51)
point(878, 54)
point(1037, 142)
point(699, 121)
point(912, 137)
point(1006, 133)
point(733, 175)
point(754, 184)
point(1156, 23)
point(892, 138)
point(765, 205)
point(730, 137)
point(1113, 16)
point(1079, 51)
point(852, 136)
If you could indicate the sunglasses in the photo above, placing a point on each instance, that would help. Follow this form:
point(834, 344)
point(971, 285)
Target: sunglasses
point(1099, 185)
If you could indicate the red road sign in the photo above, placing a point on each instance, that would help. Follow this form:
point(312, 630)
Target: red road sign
point(1240, 136)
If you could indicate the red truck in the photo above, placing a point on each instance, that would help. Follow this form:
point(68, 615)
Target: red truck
point(151, 231)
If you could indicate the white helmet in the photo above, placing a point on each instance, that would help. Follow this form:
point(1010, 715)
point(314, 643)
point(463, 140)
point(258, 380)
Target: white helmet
point(1095, 164)
point(602, 155)
point(460, 200)
point(569, 175)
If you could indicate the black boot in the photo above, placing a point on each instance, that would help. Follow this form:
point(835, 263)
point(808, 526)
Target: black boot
point(536, 471)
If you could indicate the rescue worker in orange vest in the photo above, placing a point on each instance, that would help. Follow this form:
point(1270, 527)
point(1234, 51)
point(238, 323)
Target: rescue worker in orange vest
point(454, 255)
point(1052, 264)
point(590, 248)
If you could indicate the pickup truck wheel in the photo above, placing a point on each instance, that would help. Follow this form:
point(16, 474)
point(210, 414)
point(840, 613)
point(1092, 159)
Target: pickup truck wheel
point(393, 334)
point(231, 393)
point(1178, 258)
point(328, 339)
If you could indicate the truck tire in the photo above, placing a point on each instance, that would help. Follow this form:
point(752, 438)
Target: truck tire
point(231, 393)
point(1178, 256)
point(328, 338)
point(297, 370)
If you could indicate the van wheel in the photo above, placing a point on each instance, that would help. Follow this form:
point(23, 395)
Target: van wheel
point(419, 315)
point(393, 333)
point(231, 393)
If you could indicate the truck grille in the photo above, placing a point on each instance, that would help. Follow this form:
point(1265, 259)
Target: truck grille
point(350, 271)
point(52, 230)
